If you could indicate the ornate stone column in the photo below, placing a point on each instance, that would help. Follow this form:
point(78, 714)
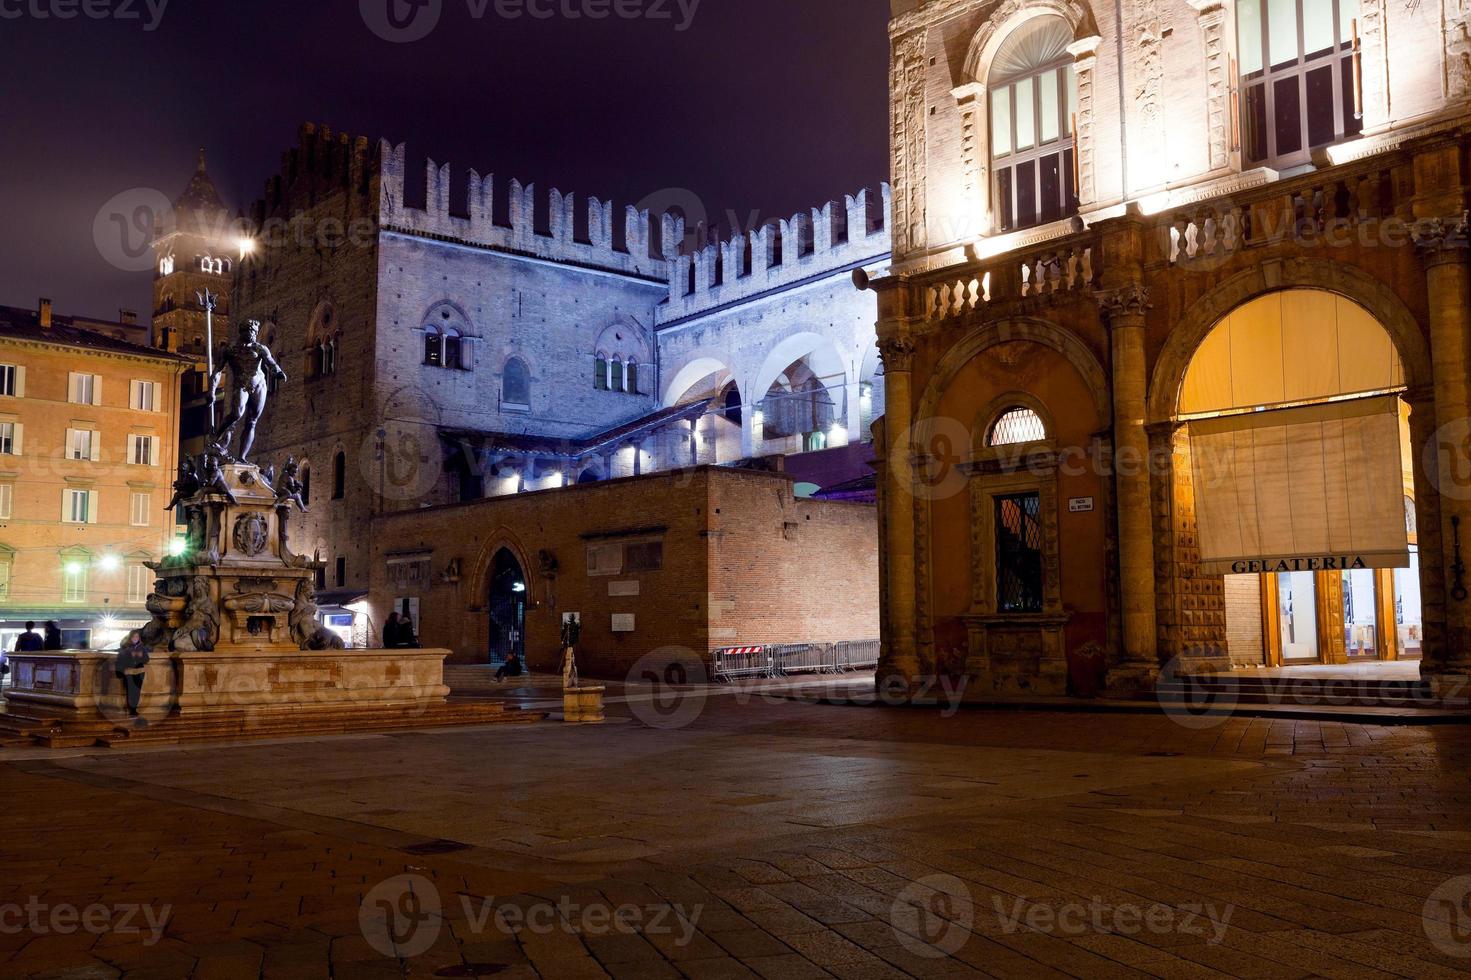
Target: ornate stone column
point(899, 656)
point(1442, 244)
point(1138, 669)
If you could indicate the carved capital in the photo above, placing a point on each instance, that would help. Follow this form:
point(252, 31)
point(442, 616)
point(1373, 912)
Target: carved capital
point(1442, 239)
point(897, 354)
point(1127, 301)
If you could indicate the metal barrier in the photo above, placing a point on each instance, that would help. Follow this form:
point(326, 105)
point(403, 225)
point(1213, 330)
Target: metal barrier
point(804, 658)
point(732, 662)
point(857, 655)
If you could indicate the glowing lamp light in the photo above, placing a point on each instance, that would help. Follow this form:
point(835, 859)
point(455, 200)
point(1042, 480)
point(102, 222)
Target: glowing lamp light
point(247, 246)
point(110, 563)
point(73, 568)
point(518, 587)
point(177, 547)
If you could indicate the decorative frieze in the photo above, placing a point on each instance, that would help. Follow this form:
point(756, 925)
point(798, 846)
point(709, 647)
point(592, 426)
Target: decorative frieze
point(1373, 64)
point(1085, 53)
point(974, 151)
point(907, 91)
point(1218, 80)
point(1456, 21)
point(1148, 88)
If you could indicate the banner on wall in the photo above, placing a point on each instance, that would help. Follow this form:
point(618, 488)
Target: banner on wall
point(1316, 488)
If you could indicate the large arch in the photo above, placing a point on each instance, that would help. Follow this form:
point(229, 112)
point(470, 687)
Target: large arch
point(694, 368)
point(1009, 330)
point(821, 354)
point(1202, 316)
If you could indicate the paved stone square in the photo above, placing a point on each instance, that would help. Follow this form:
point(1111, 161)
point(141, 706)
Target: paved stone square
point(733, 835)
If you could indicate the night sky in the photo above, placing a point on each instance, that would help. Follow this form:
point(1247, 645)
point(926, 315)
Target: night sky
point(763, 106)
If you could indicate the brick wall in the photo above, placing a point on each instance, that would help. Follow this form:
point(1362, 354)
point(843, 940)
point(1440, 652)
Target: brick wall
point(743, 562)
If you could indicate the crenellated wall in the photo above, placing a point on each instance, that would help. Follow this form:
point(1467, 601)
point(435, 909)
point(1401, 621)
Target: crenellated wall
point(600, 249)
point(779, 254)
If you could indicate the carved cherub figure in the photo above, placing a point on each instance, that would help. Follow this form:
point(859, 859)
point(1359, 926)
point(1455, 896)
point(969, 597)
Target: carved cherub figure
point(186, 486)
point(212, 477)
point(289, 489)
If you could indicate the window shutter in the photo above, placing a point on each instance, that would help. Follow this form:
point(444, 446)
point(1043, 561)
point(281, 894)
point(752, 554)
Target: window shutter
point(132, 450)
point(66, 506)
point(73, 387)
point(96, 389)
point(92, 506)
point(96, 444)
point(20, 381)
point(155, 458)
point(16, 445)
point(135, 395)
point(71, 443)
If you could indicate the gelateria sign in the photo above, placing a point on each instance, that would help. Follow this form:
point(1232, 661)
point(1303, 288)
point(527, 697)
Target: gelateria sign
point(1318, 488)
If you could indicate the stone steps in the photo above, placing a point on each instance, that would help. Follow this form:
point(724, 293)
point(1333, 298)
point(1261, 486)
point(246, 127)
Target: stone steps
point(20, 731)
point(1305, 692)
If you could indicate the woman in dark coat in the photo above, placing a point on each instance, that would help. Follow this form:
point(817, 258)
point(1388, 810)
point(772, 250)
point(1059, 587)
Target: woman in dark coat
point(53, 636)
point(392, 632)
point(132, 662)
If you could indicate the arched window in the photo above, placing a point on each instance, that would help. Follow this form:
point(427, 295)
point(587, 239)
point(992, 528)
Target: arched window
point(339, 476)
point(1016, 426)
point(306, 483)
point(433, 348)
point(452, 346)
point(730, 405)
point(516, 384)
point(1297, 77)
point(632, 376)
point(617, 382)
point(1033, 92)
point(600, 372)
point(166, 266)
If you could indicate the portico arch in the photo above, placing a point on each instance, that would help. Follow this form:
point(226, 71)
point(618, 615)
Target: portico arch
point(1202, 316)
point(1340, 345)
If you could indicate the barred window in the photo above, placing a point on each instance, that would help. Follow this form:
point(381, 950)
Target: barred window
point(1019, 553)
point(1015, 426)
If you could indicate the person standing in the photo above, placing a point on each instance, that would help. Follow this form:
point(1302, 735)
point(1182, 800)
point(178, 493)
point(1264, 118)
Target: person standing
point(53, 636)
point(392, 632)
point(30, 641)
point(132, 664)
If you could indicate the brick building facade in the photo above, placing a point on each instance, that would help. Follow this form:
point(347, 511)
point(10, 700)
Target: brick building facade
point(1179, 295)
point(659, 569)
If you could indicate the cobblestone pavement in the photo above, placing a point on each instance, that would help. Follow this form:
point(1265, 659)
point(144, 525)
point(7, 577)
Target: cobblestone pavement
point(736, 836)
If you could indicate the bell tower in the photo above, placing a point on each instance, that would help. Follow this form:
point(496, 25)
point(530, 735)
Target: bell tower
point(194, 250)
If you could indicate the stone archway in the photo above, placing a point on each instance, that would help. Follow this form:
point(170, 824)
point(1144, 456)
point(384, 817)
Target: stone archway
point(1192, 608)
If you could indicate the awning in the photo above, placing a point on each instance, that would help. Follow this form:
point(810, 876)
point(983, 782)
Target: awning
point(1316, 488)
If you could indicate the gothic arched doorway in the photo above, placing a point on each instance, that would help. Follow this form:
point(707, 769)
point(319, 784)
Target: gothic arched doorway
point(507, 607)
